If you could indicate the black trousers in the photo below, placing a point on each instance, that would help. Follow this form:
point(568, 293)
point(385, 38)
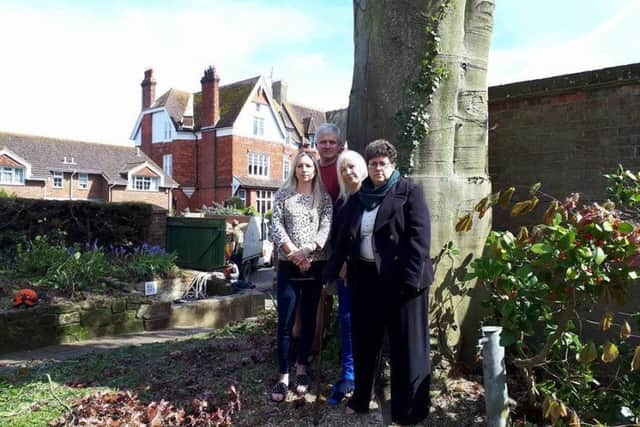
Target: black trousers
point(376, 306)
point(294, 287)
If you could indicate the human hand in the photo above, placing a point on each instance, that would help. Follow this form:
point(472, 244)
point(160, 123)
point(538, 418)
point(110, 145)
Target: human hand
point(343, 271)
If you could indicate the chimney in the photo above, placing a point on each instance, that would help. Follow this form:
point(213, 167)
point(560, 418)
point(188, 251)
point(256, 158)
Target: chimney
point(148, 89)
point(210, 103)
point(279, 90)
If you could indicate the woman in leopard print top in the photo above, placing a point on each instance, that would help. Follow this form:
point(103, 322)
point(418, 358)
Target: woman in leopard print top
point(301, 224)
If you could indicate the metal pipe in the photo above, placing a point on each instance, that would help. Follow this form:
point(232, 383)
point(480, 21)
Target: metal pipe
point(494, 373)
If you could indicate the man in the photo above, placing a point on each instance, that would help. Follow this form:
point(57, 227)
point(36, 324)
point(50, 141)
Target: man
point(329, 146)
point(237, 245)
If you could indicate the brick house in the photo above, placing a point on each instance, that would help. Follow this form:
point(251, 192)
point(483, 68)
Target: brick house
point(47, 168)
point(231, 140)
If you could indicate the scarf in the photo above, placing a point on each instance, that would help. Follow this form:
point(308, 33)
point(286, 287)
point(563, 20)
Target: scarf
point(371, 197)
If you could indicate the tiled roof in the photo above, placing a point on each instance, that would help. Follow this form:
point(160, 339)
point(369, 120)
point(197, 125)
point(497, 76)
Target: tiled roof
point(47, 154)
point(309, 117)
point(232, 98)
point(249, 182)
point(176, 102)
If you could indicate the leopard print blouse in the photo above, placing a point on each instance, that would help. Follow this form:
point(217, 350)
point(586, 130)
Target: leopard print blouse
point(295, 220)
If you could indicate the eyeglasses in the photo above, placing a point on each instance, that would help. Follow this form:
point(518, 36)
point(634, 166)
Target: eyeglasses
point(376, 165)
point(327, 142)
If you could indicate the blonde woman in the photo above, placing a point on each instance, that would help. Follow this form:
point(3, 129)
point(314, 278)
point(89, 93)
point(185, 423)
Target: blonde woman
point(301, 219)
point(351, 171)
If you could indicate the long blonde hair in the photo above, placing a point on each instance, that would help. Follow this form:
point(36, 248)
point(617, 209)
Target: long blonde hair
point(317, 187)
point(361, 169)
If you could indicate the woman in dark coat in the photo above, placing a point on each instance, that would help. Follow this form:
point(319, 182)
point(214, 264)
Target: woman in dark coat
point(384, 237)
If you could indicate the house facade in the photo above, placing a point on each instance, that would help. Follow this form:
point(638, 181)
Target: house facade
point(235, 140)
point(48, 168)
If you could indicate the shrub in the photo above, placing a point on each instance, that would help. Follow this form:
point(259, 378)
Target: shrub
point(542, 282)
point(235, 203)
point(114, 224)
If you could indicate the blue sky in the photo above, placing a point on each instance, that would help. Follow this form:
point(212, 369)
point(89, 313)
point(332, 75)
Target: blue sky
point(72, 69)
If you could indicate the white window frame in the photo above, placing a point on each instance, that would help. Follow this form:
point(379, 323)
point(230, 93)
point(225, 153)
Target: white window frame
point(286, 167)
point(167, 164)
point(312, 140)
point(83, 181)
point(264, 200)
point(258, 164)
point(258, 126)
point(58, 179)
point(145, 183)
point(11, 176)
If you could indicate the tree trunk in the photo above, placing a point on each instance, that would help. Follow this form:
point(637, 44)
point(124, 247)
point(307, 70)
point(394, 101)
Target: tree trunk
point(451, 163)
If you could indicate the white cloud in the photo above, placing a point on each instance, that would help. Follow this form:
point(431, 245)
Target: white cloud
point(76, 74)
point(610, 43)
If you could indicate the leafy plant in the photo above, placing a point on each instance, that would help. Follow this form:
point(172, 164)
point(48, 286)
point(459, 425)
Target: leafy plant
point(543, 283)
point(145, 262)
point(234, 202)
point(250, 211)
point(37, 256)
point(79, 271)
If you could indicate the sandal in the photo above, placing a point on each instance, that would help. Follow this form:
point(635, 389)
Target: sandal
point(302, 383)
point(279, 389)
point(340, 390)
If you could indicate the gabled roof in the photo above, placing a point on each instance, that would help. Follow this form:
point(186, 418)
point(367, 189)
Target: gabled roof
point(180, 104)
point(47, 154)
point(175, 102)
point(249, 182)
point(309, 117)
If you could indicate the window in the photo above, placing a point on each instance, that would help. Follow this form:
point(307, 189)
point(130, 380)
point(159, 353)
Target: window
point(83, 181)
point(286, 166)
point(11, 175)
point(312, 140)
point(145, 183)
point(68, 160)
point(58, 179)
point(258, 164)
point(242, 195)
point(258, 126)
point(167, 164)
point(263, 200)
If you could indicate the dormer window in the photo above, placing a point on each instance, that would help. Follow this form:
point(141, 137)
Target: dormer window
point(69, 160)
point(9, 175)
point(146, 183)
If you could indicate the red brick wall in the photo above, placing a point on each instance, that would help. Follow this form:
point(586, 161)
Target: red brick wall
point(276, 151)
point(184, 153)
point(146, 135)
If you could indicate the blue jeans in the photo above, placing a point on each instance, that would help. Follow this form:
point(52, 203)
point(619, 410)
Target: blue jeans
point(344, 315)
point(292, 287)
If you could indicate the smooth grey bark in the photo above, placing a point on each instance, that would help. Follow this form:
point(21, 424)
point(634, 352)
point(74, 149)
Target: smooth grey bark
point(451, 164)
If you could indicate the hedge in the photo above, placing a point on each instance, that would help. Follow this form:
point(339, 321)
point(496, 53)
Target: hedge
point(117, 224)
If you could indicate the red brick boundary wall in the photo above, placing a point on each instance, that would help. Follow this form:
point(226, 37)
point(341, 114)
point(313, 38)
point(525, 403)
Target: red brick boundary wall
point(565, 131)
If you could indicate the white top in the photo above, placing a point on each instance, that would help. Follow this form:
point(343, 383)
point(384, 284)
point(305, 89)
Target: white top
point(366, 234)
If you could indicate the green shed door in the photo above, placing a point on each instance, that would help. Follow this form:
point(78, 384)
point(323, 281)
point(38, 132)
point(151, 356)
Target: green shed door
point(198, 242)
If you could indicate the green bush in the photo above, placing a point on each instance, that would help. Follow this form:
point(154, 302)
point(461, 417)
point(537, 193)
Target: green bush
point(111, 224)
point(542, 284)
point(235, 203)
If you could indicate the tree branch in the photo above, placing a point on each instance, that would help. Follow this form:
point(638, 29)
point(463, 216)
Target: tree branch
point(540, 358)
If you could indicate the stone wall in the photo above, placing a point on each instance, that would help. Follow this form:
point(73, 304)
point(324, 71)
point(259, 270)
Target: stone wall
point(565, 132)
point(68, 322)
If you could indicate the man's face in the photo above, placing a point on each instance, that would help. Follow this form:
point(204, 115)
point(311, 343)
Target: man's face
point(328, 147)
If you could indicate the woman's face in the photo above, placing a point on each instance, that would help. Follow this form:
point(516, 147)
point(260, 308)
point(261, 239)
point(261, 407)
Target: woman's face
point(380, 170)
point(305, 171)
point(349, 173)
